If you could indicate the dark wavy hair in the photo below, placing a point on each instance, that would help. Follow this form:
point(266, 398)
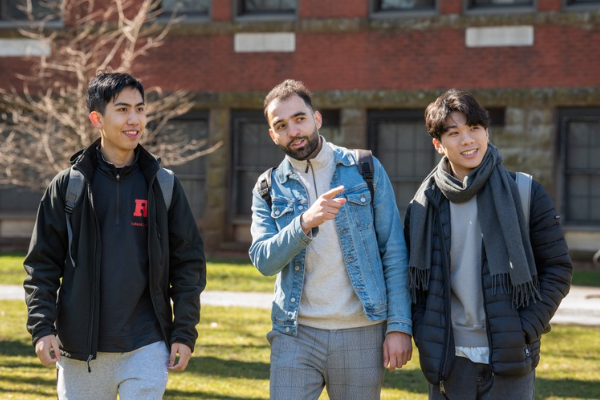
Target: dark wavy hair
point(285, 90)
point(449, 102)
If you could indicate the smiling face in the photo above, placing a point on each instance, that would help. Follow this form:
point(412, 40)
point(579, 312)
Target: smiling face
point(121, 126)
point(464, 145)
point(295, 127)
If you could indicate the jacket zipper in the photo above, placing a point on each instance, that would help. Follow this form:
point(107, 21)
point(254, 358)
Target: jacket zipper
point(150, 262)
point(445, 269)
point(94, 287)
point(312, 170)
point(118, 199)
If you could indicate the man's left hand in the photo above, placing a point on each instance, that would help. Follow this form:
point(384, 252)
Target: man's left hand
point(184, 357)
point(397, 350)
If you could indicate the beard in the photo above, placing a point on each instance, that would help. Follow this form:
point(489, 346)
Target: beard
point(305, 152)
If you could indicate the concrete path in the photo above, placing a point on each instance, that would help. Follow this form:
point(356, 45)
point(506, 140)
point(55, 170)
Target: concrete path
point(580, 307)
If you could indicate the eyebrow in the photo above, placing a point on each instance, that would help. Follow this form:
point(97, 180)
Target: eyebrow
point(447, 128)
point(129, 105)
point(299, 113)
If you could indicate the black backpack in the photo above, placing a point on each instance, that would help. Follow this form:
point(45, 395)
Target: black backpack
point(364, 164)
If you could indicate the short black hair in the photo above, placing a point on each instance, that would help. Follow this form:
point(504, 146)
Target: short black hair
point(449, 102)
point(106, 86)
point(285, 90)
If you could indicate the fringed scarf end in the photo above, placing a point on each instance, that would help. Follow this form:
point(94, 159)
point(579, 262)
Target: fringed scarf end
point(418, 281)
point(526, 292)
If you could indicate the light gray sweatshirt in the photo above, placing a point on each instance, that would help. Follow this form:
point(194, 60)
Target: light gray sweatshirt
point(328, 299)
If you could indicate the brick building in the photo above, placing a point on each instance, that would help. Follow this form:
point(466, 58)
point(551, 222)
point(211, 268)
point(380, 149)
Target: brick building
point(373, 66)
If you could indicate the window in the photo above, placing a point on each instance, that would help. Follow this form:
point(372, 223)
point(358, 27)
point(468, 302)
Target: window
point(579, 148)
point(285, 8)
point(190, 8)
point(400, 141)
point(404, 5)
point(499, 4)
point(192, 174)
point(23, 10)
point(253, 153)
point(582, 4)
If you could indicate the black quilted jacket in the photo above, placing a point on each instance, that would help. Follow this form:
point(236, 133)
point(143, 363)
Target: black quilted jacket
point(514, 334)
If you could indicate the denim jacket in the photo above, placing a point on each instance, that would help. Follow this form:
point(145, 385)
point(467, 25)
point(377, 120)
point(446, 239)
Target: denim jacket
point(371, 239)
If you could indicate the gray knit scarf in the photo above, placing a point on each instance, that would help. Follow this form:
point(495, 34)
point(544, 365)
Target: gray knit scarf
point(505, 236)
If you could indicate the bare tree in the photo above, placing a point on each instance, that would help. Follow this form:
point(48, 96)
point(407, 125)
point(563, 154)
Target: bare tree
point(45, 120)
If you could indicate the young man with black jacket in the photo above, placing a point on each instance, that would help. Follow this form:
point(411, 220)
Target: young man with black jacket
point(485, 284)
point(99, 304)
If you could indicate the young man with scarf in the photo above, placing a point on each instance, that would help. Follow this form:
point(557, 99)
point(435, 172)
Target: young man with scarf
point(484, 284)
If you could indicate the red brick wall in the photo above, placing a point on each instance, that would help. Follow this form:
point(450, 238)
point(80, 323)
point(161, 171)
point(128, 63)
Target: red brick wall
point(562, 56)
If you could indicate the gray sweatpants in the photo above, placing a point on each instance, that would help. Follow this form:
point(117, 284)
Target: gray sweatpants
point(139, 374)
point(348, 361)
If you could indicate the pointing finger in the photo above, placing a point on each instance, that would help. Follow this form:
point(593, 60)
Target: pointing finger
point(332, 193)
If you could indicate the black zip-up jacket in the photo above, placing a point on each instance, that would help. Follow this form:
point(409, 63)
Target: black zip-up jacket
point(513, 334)
point(177, 268)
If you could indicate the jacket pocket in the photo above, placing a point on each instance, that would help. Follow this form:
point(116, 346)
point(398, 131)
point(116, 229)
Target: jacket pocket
point(282, 212)
point(359, 204)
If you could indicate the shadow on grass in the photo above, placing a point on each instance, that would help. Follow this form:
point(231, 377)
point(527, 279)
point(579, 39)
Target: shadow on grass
point(228, 368)
point(16, 348)
point(566, 388)
point(34, 386)
point(411, 380)
point(178, 394)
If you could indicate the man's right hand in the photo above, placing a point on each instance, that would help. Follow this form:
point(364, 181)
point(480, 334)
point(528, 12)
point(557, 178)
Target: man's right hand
point(324, 209)
point(47, 350)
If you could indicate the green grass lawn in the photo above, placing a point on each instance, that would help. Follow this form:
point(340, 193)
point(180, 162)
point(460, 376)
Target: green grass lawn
point(230, 275)
point(222, 274)
point(231, 361)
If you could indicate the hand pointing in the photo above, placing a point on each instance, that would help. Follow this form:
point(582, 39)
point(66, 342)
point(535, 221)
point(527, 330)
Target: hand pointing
point(324, 209)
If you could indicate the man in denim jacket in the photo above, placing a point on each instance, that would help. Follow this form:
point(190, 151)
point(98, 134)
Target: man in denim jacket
point(341, 311)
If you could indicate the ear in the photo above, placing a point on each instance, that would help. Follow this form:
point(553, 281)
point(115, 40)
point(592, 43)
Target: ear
point(272, 136)
point(318, 119)
point(96, 119)
point(438, 146)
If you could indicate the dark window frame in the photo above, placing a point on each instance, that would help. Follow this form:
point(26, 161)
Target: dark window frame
point(240, 15)
point(190, 16)
point(238, 117)
point(470, 8)
point(564, 117)
point(194, 115)
point(374, 117)
point(15, 23)
point(575, 5)
point(376, 13)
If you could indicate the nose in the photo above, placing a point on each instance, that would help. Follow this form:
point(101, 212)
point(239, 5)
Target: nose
point(467, 137)
point(293, 129)
point(132, 118)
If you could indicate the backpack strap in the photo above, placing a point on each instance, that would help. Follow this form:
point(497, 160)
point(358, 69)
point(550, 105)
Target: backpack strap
point(524, 182)
point(263, 186)
point(364, 163)
point(166, 181)
point(74, 190)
